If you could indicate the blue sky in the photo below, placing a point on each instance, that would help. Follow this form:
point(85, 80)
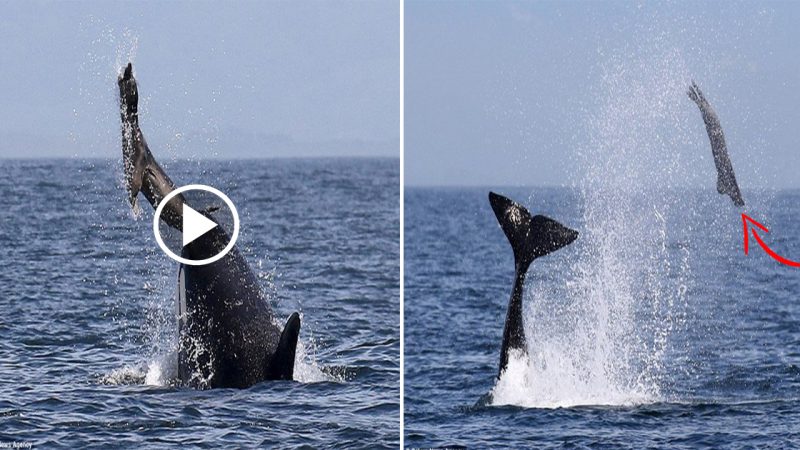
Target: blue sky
point(496, 93)
point(243, 79)
point(507, 93)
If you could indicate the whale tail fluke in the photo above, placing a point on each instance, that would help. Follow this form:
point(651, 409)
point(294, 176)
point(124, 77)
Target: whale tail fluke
point(281, 365)
point(530, 236)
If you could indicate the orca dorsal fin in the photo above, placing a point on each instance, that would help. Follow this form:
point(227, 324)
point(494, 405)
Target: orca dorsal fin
point(281, 364)
point(530, 237)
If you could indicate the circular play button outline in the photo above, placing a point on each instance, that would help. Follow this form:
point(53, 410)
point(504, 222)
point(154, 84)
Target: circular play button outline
point(196, 187)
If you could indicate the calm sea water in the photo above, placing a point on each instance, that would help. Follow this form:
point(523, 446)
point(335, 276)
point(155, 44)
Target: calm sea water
point(652, 330)
point(87, 328)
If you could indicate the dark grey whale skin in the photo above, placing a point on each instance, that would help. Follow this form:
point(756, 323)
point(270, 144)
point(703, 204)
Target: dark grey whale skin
point(228, 336)
point(726, 180)
point(530, 238)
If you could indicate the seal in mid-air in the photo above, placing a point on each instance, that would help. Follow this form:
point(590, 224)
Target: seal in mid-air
point(726, 180)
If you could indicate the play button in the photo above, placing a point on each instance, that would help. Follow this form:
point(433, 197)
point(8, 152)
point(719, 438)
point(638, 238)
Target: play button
point(209, 225)
point(195, 225)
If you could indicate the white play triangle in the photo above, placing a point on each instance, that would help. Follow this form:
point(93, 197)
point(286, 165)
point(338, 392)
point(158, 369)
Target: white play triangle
point(195, 225)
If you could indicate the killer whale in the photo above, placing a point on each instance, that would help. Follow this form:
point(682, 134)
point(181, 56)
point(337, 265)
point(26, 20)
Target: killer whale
point(227, 331)
point(726, 180)
point(530, 237)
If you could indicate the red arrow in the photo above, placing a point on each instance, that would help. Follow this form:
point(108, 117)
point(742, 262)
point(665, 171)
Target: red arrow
point(770, 252)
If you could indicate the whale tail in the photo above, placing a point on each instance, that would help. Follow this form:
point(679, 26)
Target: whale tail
point(281, 364)
point(530, 236)
point(142, 172)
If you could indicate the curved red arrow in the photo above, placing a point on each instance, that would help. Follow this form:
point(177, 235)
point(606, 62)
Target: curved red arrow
point(770, 252)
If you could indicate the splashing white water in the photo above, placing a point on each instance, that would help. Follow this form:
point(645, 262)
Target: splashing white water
point(123, 375)
point(162, 367)
point(306, 367)
point(600, 338)
point(162, 370)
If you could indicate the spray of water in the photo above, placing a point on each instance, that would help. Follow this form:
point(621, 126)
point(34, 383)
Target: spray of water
point(601, 337)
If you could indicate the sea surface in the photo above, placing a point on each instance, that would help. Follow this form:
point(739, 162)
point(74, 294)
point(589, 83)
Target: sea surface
point(652, 330)
point(87, 323)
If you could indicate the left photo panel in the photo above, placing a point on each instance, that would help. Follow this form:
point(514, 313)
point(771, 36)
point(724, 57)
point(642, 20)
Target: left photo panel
point(200, 209)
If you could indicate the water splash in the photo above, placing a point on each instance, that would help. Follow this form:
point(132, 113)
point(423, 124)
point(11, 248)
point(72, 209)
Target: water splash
point(162, 369)
point(601, 337)
point(127, 48)
point(126, 375)
point(306, 367)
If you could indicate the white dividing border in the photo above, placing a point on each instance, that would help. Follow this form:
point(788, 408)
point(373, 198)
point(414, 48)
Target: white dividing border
point(402, 225)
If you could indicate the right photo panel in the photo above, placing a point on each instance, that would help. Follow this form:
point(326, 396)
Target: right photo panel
point(601, 239)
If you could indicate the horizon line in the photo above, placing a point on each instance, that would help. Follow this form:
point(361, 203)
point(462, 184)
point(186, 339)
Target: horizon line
point(568, 186)
point(199, 158)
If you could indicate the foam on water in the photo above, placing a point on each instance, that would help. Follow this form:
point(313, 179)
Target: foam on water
point(123, 375)
point(598, 334)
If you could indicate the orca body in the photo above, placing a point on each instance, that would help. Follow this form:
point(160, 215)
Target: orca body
point(530, 237)
point(726, 180)
point(228, 336)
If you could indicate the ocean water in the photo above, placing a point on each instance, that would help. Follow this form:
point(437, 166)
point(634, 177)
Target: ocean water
point(87, 324)
point(652, 330)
